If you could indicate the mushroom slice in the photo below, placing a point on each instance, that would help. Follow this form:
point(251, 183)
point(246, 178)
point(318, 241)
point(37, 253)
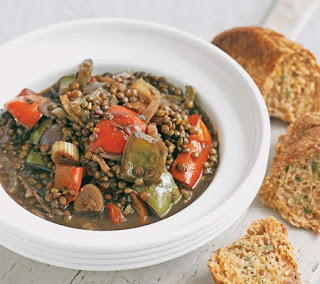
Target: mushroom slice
point(89, 199)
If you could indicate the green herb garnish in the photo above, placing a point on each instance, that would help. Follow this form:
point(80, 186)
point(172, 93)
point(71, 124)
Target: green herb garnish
point(307, 209)
point(284, 76)
point(256, 276)
point(248, 258)
point(288, 92)
point(316, 177)
point(314, 166)
point(297, 178)
point(269, 247)
point(240, 244)
point(300, 198)
point(287, 168)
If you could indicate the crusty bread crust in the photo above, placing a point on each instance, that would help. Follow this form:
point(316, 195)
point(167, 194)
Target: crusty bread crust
point(287, 74)
point(276, 266)
point(293, 186)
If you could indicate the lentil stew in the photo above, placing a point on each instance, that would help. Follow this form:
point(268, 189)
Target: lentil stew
point(106, 152)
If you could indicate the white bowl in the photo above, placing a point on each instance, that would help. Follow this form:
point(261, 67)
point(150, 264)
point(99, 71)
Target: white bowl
point(225, 91)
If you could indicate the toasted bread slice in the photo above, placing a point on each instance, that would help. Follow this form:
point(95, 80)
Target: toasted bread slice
point(293, 185)
point(263, 255)
point(286, 73)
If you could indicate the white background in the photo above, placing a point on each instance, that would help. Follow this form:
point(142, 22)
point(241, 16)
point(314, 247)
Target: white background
point(206, 17)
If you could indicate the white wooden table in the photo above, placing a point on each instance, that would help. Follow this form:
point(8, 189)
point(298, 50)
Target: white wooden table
point(204, 17)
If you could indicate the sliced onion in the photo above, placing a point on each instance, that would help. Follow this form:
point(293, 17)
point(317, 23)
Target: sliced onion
point(59, 113)
point(102, 163)
point(152, 130)
point(151, 95)
point(112, 157)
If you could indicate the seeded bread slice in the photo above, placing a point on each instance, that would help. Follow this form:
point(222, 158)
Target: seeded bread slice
point(263, 255)
point(286, 73)
point(293, 185)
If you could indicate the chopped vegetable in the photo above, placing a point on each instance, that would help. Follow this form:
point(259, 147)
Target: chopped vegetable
point(115, 213)
point(143, 156)
point(70, 177)
point(199, 142)
point(45, 107)
point(113, 134)
point(37, 132)
point(190, 96)
point(64, 84)
point(35, 158)
point(84, 73)
point(152, 130)
point(162, 195)
point(102, 163)
point(140, 207)
point(51, 135)
point(65, 153)
point(27, 92)
point(138, 106)
point(65, 102)
point(152, 96)
point(24, 109)
point(89, 199)
point(112, 157)
point(171, 99)
point(59, 113)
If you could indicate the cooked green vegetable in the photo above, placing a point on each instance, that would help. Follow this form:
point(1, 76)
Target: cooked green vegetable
point(162, 195)
point(36, 133)
point(143, 157)
point(35, 158)
point(64, 84)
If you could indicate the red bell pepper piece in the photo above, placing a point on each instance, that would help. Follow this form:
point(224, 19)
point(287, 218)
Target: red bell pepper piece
point(203, 134)
point(27, 91)
point(115, 213)
point(113, 134)
point(93, 79)
point(200, 142)
point(70, 177)
point(24, 108)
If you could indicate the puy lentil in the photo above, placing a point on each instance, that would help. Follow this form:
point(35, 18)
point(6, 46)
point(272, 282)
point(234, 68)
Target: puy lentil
point(145, 196)
point(181, 167)
point(138, 182)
